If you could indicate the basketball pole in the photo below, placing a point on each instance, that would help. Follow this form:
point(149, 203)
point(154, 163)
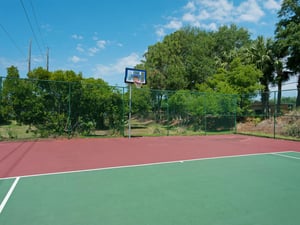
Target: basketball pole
point(137, 77)
point(129, 116)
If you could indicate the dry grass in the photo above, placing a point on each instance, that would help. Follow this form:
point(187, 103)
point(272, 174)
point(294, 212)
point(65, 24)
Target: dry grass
point(282, 126)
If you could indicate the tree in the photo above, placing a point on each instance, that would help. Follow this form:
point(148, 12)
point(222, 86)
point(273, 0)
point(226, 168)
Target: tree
point(238, 79)
point(9, 98)
point(164, 63)
point(2, 117)
point(22, 99)
point(282, 75)
point(188, 56)
point(260, 54)
point(199, 60)
point(228, 39)
point(95, 103)
point(287, 35)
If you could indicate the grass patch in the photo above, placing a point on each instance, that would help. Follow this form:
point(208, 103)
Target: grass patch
point(15, 131)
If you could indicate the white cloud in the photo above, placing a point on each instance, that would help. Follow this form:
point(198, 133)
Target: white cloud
point(80, 48)
point(189, 17)
point(101, 44)
point(174, 24)
point(203, 15)
point(76, 59)
point(250, 11)
point(77, 37)
point(190, 6)
point(115, 71)
point(160, 32)
point(210, 14)
point(272, 5)
point(219, 10)
point(211, 26)
point(92, 51)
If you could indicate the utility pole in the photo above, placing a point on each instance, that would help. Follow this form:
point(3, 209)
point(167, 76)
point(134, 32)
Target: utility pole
point(29, 57)
point(47, 60)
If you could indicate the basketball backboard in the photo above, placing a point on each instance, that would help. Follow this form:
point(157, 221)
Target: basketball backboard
point(135, 76)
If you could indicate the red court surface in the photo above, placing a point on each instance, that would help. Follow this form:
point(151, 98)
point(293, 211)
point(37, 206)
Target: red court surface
point(62, 155)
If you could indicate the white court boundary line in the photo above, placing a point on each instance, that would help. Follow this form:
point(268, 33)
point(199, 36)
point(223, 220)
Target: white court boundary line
point(286, 156)
point(7, 196)
point(145, 164)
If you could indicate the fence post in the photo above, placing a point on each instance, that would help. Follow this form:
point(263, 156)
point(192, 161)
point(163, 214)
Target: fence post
point(235, 113)
point(69, 112)
point(205, 114)
point(168, 116)
point(274, 116)
point(0, 88)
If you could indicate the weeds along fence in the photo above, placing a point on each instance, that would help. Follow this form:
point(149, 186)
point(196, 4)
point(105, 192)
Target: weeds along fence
point(273, 114)
point(40, 109)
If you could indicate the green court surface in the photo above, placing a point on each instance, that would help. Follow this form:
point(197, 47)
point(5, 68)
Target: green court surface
point(241, 190)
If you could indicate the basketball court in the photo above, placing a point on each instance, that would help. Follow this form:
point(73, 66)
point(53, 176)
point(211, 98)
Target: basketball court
point(222, 179)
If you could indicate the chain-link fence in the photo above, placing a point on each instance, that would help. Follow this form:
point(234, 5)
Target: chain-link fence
point(156, 112)
point(39, 109)
point(272, 114)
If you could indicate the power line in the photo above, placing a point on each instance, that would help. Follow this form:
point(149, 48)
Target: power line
point(12, 40)
point(37, 24)
point(32, 30)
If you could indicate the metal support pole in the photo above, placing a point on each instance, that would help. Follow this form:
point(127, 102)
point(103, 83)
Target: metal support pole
point(129, 117)
point(274, 115)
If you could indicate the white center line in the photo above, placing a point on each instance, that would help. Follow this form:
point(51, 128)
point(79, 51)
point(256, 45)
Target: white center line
point(3, 203)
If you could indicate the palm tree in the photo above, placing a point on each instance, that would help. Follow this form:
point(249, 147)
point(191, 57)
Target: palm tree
point(281, 76)
point(260, 54)
point(287, 36)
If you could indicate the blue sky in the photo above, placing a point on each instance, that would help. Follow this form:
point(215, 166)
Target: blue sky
point(100, 38)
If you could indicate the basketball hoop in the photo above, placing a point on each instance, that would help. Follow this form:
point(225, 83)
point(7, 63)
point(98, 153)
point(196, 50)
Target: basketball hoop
point(138, 78)
point(135, 76)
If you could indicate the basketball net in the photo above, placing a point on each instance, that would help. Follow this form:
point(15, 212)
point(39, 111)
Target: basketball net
point(137, 82)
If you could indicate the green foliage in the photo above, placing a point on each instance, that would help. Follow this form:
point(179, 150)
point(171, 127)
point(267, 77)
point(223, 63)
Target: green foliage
point(189, 56)
point(230, 37)
point(140, 102)
point(194, 108)
point(85, 128)
point(287, 32)
point(287, 37)
point(61, 105)
point(53, 125)
point(238, 79)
